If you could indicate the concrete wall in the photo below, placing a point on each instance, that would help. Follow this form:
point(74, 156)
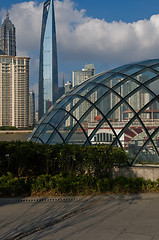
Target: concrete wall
point(147, 172)
point(14, 135)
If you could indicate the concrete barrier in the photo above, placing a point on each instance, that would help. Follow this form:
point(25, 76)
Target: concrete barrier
point(146, 171)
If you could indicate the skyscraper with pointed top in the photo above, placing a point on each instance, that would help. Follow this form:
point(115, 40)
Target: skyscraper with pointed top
point(14, 80)
point(49, 91)
point(7, 38)
point(48, 76)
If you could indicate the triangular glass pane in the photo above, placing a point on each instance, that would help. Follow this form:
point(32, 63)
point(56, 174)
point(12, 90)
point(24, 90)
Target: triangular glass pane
point(77, 136)
point(103, 135)
point(46, 133)
point(72, 102)
point(133, 137)
point(96, 92)
point(38, 130)
point(66, 125)
point(144, 75)
point(132, 69)
point(103, 77)
point(113, 80)
point(148, 155)
point(36, 140)
point(149, 62)
point(91, 118)
point(119, 69)
point(154, 86)
point(62, 102)
point(139, 99)
point(50, 116)
point(55, 138)
point(120, 113)
point(125, 87)
point(150, 115)
point(156, 67)
point(155, 139)
point(56, 119)
point(107, 102)
point(81, 108)
point(86, 89)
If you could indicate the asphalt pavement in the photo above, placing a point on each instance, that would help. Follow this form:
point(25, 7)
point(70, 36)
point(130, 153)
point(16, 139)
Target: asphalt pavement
point(124, 217)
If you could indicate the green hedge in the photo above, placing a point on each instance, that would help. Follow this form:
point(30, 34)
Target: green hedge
point(73, 185)
point(32, 159)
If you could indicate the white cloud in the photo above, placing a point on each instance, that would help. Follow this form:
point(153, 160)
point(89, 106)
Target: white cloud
point(26, 17)
point(95, 39)
point(84, 38)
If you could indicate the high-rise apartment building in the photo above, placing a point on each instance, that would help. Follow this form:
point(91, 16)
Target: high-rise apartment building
point(49, 91)
point(14, 91)
point(31, 109)
point(77, 78)
point(7, 38)
point(80, 76)
point(68, 86)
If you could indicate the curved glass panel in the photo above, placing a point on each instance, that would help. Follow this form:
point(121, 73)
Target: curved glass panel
point(119, 107)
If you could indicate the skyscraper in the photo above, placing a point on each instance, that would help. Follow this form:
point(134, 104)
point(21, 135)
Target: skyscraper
point(14, 80)
point(80, 76)
point(48, 73)
point(77, 78)
point(31, 109)
point(7, 38)
point(14, 91)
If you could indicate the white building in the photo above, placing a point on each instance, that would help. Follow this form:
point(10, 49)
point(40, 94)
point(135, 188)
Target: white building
point(14, 91)
point(79, 77)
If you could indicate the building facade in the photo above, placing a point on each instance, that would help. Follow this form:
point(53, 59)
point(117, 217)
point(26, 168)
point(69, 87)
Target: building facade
point(49, 91)
point(14, 91)
point(31, 109)
point(7, 38)
point(68, 86)
point(79, 77)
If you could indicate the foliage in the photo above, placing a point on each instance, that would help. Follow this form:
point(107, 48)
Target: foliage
point(4, 128)
point(32, 159)
point(72, 184)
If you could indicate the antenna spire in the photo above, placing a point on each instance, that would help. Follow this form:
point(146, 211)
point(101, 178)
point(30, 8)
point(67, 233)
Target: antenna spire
point(7, 14)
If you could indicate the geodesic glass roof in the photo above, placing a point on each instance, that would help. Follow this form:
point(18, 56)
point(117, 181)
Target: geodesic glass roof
point(119, 107)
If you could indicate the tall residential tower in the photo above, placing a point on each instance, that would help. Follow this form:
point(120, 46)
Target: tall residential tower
point(14, 91)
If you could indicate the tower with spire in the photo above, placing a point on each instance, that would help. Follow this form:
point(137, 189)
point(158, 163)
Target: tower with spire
point(7, 37)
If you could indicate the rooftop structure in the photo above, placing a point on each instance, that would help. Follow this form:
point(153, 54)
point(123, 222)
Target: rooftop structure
point(122, 109)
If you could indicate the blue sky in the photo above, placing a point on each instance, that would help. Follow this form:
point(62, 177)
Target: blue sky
point(106, 33)
point(124, 10)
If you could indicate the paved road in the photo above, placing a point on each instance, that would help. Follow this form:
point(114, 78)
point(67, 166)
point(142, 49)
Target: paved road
point(131, 217)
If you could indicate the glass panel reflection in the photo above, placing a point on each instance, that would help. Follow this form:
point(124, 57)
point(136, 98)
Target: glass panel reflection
point(124, 112)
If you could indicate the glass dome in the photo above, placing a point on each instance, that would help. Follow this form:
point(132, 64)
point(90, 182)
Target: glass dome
point(119, 107)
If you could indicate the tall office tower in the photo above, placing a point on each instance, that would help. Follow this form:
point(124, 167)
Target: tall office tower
point(14, 91)
point(7, 38)
point(77, 78)
point(48, 73)
point(31, 109)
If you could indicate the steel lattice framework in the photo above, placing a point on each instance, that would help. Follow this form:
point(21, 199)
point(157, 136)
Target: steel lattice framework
point(119, 107)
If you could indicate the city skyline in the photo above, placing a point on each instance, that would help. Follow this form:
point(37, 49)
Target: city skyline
point(88, 36)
